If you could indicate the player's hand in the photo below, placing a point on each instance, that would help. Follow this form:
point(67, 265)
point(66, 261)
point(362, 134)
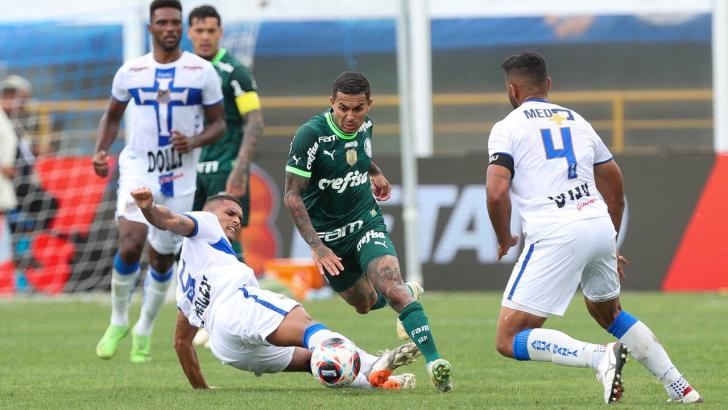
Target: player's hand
point(621, 263)
point(8, 172)
point(381, 188)
point(327, 260)
point(101, 163)
point(181, 143)
point(143, 198)
point(237, 180)
point(504, 247)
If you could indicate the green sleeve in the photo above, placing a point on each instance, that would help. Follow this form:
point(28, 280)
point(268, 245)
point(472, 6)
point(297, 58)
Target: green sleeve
point(303, 152)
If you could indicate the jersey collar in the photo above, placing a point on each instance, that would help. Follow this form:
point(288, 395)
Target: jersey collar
point(341, 134)
point(537, 100)
point(220, 54)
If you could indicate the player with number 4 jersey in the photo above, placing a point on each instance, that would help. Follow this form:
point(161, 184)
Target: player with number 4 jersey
point(571, 196)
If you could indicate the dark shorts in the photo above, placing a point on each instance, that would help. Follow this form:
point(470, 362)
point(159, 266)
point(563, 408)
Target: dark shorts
point(356, 253)
point(212, 184)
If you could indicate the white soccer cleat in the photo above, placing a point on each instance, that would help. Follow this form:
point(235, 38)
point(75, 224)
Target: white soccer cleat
point(440, 372)
point(389, 361)
point(417, 291)
point(202, 338)
point(400, 382)
point(609, 372)
point(690, 396)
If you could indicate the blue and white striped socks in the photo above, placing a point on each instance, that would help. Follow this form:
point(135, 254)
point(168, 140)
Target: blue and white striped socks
point(123, 279)
point(548, 345)
point(155, 290)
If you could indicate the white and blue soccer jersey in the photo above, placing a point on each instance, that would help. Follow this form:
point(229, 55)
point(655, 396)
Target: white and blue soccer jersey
point(209, 272)
point(167, 97)
point(554, 151)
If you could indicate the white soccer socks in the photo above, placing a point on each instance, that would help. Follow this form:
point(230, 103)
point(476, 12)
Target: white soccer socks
point(548, 345)
point(155, 290)
point(123, 279)
point(644, 347)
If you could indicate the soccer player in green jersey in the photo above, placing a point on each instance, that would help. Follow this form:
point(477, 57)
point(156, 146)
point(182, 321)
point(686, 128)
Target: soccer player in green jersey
point(225, 165)
point(330, 179)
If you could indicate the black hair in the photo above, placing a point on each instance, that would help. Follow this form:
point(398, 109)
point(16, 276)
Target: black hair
point(160, 4)
point(203, 12)
point(528, 65)
point(351, 83)
point(222, 196)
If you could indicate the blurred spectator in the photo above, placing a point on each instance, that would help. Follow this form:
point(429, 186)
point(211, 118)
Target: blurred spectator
point(8, 202)
point(36, 206)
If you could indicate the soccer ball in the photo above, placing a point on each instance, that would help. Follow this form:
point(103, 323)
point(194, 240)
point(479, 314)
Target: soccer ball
point(335, 363)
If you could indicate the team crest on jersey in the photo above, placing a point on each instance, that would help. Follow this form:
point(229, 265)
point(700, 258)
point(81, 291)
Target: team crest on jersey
point(163, 97)
point(351, 157)
point(368, 147)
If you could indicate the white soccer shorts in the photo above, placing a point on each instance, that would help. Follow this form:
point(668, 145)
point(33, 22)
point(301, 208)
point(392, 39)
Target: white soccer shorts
point(164, 242)
point(547, 273)
point(241, 325)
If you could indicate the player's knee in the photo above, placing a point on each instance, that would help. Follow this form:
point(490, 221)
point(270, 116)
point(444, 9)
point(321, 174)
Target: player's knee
point(362, 308)
point(398, 297)
point(129, 251)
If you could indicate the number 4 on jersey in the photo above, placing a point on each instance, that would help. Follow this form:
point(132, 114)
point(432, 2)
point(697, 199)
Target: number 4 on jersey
point(566, 152)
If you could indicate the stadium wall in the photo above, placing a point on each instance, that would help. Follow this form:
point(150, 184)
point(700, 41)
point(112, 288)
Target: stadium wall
point(673, 235)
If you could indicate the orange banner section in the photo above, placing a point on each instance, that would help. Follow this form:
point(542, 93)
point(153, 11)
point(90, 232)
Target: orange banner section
point(701, 260)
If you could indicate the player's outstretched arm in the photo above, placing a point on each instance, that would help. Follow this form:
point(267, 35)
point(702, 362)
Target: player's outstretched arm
point(609, 181)
point(160, 216)
point(322, 255)
point(499, 206)
point(183, 336)
point(106, 134)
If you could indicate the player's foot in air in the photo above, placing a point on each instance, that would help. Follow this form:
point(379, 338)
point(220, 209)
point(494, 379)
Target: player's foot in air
point(140, 348)
point(109, 343)
point(202, 338)
point(440, 372)
point(690, 396)
point(400, 382)
point(389, 361)
point(609, 372)
point(417, 291)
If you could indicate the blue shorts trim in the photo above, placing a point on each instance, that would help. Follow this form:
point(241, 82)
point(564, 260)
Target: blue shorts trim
point(520, 273)
point(263, 302)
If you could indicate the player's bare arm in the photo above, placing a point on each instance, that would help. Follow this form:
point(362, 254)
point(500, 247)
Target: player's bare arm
point(609, 181)
point(106, 134)
point(322, 255)
point(381, 188)
point(215, 129)
point(238, 178)
point(499, 206)
point(160, 216)
point(186, 353)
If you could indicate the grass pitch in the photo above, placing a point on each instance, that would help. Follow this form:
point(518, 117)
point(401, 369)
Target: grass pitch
point(47, 359)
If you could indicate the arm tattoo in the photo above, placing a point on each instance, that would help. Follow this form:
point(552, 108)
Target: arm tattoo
point(297, 209)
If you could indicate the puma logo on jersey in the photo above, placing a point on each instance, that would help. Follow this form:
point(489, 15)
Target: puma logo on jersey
point(381, 243)
point(296, 158)
point(329, 153)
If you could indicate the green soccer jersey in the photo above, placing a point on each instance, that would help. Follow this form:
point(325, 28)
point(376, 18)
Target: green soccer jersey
point(339, 196)
point(240, 96)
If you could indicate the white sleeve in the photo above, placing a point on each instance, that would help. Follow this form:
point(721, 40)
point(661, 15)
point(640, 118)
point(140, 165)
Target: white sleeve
point(207, 226)
point(601, 152)
point(118, 88)
point(212, 87)
point(499, 141)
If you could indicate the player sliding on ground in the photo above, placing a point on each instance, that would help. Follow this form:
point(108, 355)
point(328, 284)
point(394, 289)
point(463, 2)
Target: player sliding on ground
point(571, 196)
point(331, 186)
point(250, 328)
